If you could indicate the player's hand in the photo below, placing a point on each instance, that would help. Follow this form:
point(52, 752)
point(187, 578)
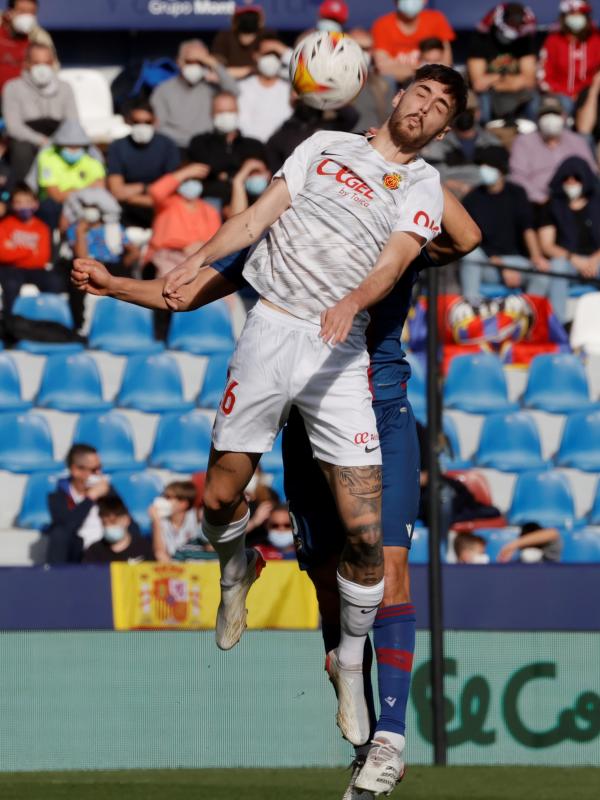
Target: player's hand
point(90, 276)
point(177, 278)
point(336, 322)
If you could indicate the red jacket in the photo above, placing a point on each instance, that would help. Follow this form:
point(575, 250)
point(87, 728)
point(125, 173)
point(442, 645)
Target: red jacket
point(25, 245)
point(567, 65)
point(12, 53)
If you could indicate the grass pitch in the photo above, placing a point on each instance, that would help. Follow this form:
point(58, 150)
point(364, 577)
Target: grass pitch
point(421, 783)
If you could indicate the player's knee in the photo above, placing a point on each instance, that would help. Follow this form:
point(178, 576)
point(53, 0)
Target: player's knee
point(397, 581)
point(364, 547)
point(219, 498)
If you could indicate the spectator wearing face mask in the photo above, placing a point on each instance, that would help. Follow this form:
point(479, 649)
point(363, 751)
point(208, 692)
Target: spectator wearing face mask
point(121, 540)
point(570, 56)
point(34, 105)
point(25, 249)
point(396, 38)
point(570, 228)
point(502, 62)
point(248, 184)
point(136, 161)
point(504, 215)
point(280, 537)
point(332, 15)
point(237, 46)
point(456, 155)
point(534, 545)
point(470, 549)
point(265, 91)
point(535, 156)
point(225, 149)
point(175, 520)
point(182, 104)
point(18, 29)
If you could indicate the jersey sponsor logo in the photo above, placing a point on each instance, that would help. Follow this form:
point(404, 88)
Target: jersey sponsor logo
point(392, 180)
point(365, 437)
point(346, 177)
point(422, 219)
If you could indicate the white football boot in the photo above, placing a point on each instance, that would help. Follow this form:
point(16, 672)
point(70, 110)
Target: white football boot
point(352, 713)
point(232, 613)
point(352, 793)
point(383, 768)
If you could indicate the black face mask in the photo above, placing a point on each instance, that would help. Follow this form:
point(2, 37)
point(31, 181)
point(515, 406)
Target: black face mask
point(464, 121)
point(248, 22)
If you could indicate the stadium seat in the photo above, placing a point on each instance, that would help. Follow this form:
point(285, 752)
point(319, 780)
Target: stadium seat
point(45, 307)
point(417, 389)
point(10, 386)
point(123, 329)
point(585, 331)
point(477, 484)
point(580, 444)
point(476, 384)
point(542, 497)
point(138, 490)
point(452, 460)
point(34, 511)
point(594, 513)
point(71, 382)
point(495, 539)
point(558, 384)
point(95, 104)
point(419, 548)
point(204, 332)
point(182, 442)
point(153, 383)
point(272, 462)
point(277, 485)
point(581, 547)
point(112, 436)
point(510, 443)
point(26, 444)
point(215, 378)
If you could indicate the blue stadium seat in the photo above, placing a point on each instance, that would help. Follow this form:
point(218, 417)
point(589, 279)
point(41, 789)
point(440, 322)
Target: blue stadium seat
point(10, 386)
point(277, 485)
point(205, 332)
point(72, 382)
point(138, 490)
point(182, 442)
point(452, 460)
point(594, 513)
point(26, 444)
point(153, 383)
point(557, 383)
point(272, 462)
point(34, 511)
point(419, 548)
point(580, 444)
point(215, 378)
point(510, 443)
point(476, 383)
point(495, 539)
point(45, 307)
point(581, 547)
point(417, 389)
point(112, 436)
point(543, 497)
point(122, 328)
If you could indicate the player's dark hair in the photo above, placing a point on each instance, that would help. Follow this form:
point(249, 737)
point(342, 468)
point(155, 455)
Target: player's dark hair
point(465, 541)
point(77, 450)
point(432, 43)
point(448, 77)
point(111, 505)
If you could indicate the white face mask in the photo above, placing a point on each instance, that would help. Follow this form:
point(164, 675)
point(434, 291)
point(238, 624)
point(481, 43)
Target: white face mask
point(410, 8)
point(193, 73)
point(142, 132)
point(576, 22)
point(269, 65)
point(531, 555)
point(163, 507)
point(329, 25)
point(281, 539)
point(551, 125)
point(91, 215)
point(489, 175)
point(24, 23)
point(114, 533)
point(573, 190)
point(42, 74)
point(94, 480)
point(226, 121)
point(479, 558)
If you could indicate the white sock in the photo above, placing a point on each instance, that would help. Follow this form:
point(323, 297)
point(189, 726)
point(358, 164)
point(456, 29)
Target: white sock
point(229, 543)
point(397, 740)
point(359, 605)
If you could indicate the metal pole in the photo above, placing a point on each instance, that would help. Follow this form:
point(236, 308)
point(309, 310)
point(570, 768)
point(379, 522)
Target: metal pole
point(436, 625)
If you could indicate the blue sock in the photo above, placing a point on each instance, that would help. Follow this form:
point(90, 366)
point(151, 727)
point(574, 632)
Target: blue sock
point(394, 635)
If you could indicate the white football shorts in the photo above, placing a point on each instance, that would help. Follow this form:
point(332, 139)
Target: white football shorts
point(281, 361)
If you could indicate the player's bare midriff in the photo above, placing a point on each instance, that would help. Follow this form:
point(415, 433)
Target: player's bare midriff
point(276, 308)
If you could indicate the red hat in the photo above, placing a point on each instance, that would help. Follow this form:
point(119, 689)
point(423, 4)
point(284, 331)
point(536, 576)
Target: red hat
point(575, 7)
point(334, 9)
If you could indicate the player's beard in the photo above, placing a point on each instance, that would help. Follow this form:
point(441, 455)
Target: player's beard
point(406, 130)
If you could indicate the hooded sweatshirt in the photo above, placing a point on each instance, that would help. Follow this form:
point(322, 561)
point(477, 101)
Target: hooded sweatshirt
point(568, 222)
point(567, 63)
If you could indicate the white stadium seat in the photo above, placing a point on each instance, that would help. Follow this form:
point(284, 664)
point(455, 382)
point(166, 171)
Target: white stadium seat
point(95, 105)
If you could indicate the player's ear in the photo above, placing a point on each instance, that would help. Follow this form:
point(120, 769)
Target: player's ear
point(443, 133)
point(398, 97)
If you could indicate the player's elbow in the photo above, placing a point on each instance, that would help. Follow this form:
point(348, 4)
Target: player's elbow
point(470, 238)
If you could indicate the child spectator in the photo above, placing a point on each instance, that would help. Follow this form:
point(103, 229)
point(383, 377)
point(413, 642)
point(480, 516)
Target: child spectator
point(120, 540)
point(175, 520)
point(470, 549)
point(25, 249)
point(571, 55)
point(534, 544)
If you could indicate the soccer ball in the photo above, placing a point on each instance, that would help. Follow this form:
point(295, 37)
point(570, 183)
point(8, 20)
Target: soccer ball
point(328, 69)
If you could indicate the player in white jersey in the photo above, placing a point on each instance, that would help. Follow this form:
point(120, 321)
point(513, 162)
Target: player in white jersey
point(340, 224)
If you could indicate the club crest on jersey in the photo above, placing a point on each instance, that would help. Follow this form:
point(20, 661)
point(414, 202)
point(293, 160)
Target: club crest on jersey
point(392, 180)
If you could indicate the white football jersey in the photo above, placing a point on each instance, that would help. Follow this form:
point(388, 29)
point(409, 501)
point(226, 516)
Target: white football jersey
point(347, 200)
